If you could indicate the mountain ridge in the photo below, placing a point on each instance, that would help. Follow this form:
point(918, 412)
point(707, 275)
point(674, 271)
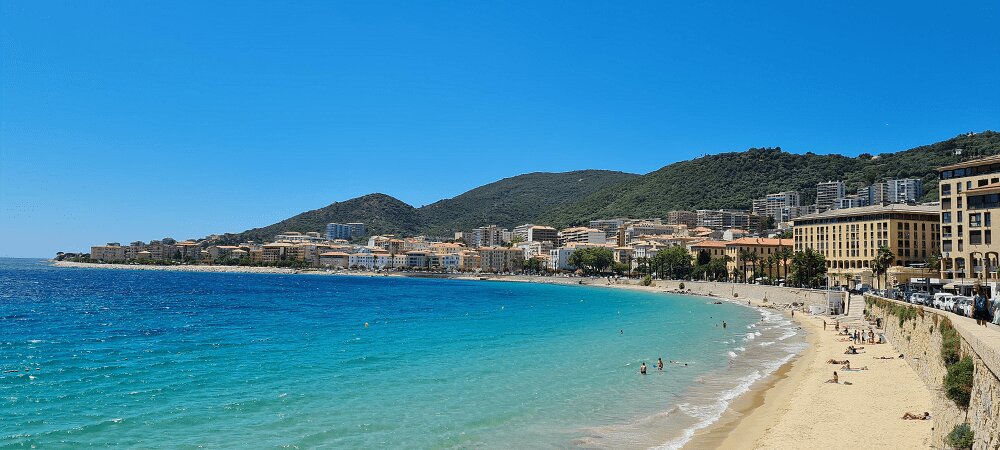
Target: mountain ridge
point(723, 180)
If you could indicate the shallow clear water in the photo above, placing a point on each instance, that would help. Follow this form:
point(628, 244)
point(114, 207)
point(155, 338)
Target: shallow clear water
point(169, 359)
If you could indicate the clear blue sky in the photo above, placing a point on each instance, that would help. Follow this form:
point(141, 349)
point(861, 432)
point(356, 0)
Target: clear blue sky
point(138, 120)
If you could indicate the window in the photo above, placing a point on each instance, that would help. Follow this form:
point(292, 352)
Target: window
point(958, 202)
point(946, 203)
point(945, 189)
point(958, 187)
point(986, 219)
point(946, 217)
point(975, 220)
point(975, 237)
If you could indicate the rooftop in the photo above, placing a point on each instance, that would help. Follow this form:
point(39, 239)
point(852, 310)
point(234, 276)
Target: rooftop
point(873, 209)
point(972, 163)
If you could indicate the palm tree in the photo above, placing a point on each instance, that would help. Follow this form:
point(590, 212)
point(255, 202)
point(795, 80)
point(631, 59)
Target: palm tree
point(754, 258)
point(743, 257)
point(881, 263)
point(785, 253)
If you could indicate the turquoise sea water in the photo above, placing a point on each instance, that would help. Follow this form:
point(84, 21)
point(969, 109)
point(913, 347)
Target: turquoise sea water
point(174, 359)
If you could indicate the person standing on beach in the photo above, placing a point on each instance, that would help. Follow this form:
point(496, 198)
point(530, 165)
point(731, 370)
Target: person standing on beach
point(659, 364)
point(824, 325)
point(642, 368)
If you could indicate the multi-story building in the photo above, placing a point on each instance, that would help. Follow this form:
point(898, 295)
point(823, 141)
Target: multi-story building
point(728, 218)
point(850, 201)
point(849, 239)
point(608, 226)
point(358, 230)
point(762, 248)
point(827, 194)
point(581, 235)
point(778, 206)
point(714, 249)
point(686, 218)
point(338, 231)
point(501, 259)
point(335, 259)
point(559, 257)
point(488, 236)
point(540, 233)
point(909, 190)
point(521, 231)
point(970, 196)
point(113, 252)
point(294, 236)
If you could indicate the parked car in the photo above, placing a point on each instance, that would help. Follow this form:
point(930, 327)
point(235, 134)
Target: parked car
point(920, 298)
point(948, 304)
point(939, 298)
point(963, 307)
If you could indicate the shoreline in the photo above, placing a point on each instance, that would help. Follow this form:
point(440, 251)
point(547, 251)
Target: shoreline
point(773, 412)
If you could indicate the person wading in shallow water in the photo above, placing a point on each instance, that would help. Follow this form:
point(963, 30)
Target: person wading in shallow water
point(659, 363)
point(642, 368)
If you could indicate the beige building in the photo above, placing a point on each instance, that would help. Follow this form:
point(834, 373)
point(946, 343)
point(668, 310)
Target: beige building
point(501, 259)
point(849, 239)
point(763, 248)
point(112, 252)
point(970, 194)
point(715, 249)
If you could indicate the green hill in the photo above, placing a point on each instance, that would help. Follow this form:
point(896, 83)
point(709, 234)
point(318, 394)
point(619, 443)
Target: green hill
point(380, 212)
point(516, 200)
point(508, 202)
point(726, 180)
point(733, 180)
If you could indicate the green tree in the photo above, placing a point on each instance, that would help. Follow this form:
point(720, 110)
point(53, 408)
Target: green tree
point(592, 259)
point(676, 260)
point(808, 268)
point(785, 254)
point(882, 263)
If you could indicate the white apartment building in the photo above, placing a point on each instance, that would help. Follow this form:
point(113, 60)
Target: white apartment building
point(582, 235)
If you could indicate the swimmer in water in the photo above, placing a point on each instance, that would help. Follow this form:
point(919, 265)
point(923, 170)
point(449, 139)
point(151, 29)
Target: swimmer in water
point(659, 364)
point(724, 324)
point(642, 368)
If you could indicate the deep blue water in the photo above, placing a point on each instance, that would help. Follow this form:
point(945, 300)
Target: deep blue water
point(173, 359)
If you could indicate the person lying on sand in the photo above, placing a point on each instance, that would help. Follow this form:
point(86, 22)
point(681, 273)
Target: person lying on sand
point(885, 357)
point(838, 361)
point(911, 416)
point(848, 367)
point(835, 379)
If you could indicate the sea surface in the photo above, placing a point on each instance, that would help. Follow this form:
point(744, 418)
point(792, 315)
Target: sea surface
point(152, 359)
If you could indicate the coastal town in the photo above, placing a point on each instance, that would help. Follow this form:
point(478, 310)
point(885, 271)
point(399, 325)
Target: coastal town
point(880, 237)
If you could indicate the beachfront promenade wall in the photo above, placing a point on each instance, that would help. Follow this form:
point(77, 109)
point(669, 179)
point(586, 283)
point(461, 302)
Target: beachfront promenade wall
point(919, 340)
point(774, 294)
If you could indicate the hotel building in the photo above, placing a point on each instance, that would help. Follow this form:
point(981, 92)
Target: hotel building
point(849, 239)
point(970, 195)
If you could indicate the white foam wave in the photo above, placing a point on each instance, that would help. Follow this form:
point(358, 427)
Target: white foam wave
point(787, 335)
point(765, 344)
point(732, 354)
point(711, 412)
point(749, 337)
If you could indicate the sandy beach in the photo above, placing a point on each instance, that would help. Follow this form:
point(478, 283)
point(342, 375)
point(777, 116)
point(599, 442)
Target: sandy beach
point(791, 408)
point(795, 408)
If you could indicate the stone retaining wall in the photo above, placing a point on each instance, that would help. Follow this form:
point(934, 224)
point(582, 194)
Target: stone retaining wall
point(774, 294)
point(919, 340)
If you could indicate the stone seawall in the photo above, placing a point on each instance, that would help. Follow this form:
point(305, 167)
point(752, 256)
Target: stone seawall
point(774, 294)
point(919, 339)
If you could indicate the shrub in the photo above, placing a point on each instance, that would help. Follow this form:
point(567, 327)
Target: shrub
point(647, 281)
point(681, 286)
point(961, 437)
point(951, 343)
point(958, 382)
